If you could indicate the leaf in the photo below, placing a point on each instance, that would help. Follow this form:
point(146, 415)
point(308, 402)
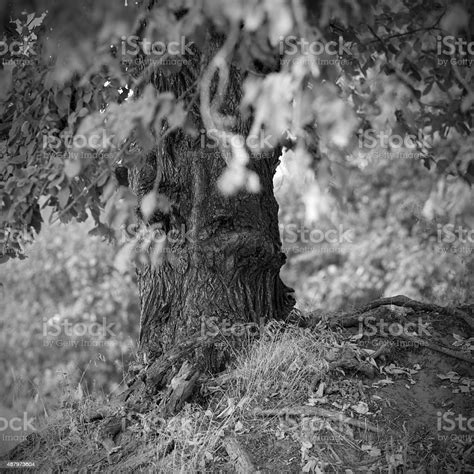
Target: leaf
point(467, 103)
point(371, 450)
point(148, 204)
point(238, 426)
point(72, 168)
point(362, 408)
point(280, 18)
point(63, 196)
point(320, 392)
point(178, 115)
point(124, 257)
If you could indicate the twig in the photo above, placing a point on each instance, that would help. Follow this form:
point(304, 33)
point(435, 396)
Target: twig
point(405, 302)
point(381, 350)
point(399, 35)
point(316, 411)
point(434, 26)
point(436, 347)
point(82, 193)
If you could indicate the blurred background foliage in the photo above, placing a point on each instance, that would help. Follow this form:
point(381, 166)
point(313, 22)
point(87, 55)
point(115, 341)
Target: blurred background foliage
point(392, 209)
point(68, 276)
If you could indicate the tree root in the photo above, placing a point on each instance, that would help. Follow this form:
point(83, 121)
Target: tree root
point(352, 319)
point(239, 457)
point(180, 389)
point(171, 379)
point(349, 361)
point(436, 347)
point(174, 377)
point(359, 315)
point(319, 412)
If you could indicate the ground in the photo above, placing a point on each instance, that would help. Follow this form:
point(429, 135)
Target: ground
point(291, 405)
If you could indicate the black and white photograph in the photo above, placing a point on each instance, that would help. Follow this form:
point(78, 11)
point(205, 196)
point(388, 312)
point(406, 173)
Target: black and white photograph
point(236, 236)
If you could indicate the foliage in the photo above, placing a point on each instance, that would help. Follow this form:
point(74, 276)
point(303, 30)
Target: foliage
point(390, 70)
point(54, 306)
point(394, 215)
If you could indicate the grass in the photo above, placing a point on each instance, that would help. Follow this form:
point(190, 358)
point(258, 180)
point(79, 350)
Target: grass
point(281, 369)
point(281, 365)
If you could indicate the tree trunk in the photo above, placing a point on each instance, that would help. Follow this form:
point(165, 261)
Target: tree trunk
point(223, 254)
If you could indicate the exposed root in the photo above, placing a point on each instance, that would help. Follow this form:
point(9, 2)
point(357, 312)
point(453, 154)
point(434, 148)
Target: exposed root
point(239, 457)
point(180, 389)
point(319, 412)
point(352, 319)
point(436, 347)
point(374, 310)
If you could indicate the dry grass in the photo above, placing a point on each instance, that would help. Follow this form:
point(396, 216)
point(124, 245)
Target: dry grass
point(281, 369)
point(282, 365)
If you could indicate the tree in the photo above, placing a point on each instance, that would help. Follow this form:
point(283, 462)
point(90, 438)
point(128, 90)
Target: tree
point(164, 122)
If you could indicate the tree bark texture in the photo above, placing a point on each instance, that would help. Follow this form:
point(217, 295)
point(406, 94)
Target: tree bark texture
point(223, 254)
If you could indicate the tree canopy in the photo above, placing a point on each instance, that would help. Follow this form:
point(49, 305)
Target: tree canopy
point(86, 95)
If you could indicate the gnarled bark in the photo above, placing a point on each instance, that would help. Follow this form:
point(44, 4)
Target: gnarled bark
point(223, 254)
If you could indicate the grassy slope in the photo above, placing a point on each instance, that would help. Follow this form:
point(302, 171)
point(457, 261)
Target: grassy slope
point(282, 369)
